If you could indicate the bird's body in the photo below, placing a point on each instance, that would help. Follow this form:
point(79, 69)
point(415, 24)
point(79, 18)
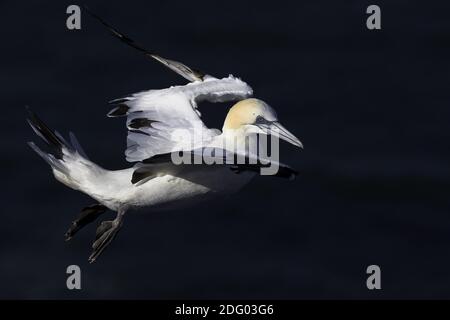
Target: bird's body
point(178, 161)
point(114, 189)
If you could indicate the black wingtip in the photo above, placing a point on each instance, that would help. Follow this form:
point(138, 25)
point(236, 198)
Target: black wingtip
point(91, 13)
point(139, 123)
point(177, 67)
point(119, 111)
point(46, 134)
point(113, 30)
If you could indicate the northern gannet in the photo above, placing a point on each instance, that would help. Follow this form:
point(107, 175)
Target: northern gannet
point(155, 181)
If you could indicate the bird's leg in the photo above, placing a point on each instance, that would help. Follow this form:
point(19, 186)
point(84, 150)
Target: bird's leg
point(86, 216)
point(106, 232)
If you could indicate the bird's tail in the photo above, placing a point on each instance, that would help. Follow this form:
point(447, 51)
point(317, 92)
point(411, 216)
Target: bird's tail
point(69, 163)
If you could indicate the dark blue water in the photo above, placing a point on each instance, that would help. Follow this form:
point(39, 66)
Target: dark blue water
point(371, 107)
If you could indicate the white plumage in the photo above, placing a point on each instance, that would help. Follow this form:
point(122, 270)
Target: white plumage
point(172, 109)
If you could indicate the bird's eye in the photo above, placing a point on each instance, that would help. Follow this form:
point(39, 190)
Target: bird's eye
point(261, 120)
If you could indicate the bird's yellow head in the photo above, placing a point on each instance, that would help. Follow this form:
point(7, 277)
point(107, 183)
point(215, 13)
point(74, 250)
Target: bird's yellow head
point(246, 112)
point(256, 116)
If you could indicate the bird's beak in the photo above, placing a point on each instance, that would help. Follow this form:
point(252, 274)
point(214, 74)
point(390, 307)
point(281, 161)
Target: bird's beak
point(276, 129)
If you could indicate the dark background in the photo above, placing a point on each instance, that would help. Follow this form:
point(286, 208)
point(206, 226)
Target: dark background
point(371, 107)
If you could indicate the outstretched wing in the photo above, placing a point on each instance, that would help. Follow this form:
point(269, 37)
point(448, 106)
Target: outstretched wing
point(178, 67)
point(163, 164)
point(162, 121)
point(167, 120)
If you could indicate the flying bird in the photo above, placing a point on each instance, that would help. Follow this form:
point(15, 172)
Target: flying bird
point(155, 181)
